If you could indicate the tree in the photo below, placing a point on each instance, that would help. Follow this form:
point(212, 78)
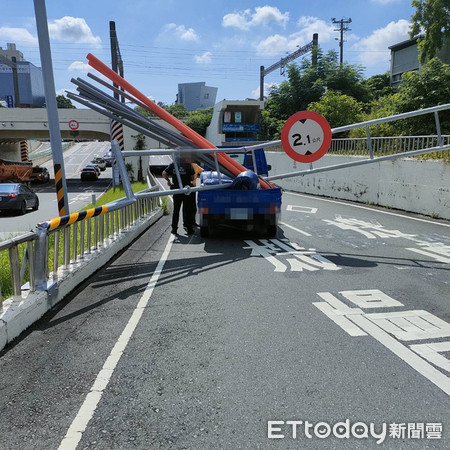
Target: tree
point(428, 88)
point(433, 17)
point(339, 109)
point(64, 102)
point(178, 110)
point(379, 85)
point(306, 84)
point(199, 120)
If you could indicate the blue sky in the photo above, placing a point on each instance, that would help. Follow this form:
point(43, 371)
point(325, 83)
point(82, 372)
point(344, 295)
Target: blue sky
point(166, 42)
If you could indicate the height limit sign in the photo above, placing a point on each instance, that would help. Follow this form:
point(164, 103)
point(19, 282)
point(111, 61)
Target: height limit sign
point(306, 136)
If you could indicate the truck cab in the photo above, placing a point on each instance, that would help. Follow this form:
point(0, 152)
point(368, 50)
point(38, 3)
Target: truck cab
point(249, 158)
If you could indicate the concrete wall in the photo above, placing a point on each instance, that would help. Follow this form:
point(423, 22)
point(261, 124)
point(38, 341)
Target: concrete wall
point(408, 184)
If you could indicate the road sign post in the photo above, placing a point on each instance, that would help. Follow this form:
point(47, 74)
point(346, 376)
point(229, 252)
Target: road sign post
point(306, 136)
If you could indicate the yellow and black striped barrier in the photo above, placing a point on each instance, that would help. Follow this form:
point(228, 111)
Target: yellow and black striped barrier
point(117, 133)
point(59, 189)
point(24, 150)
point(59, 222)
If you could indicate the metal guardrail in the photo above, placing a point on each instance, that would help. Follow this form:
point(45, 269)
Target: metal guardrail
point(51, 252)
point(385, 145)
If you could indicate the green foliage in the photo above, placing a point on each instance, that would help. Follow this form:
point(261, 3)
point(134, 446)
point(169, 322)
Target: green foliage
point(165, 206)
point(428, 88)
point(63, 102)
point(140, 141)
point(306, 84)
point(379, 86)
point(432, 16)
point(339, 109)
point(199, 120)
point(178, 110)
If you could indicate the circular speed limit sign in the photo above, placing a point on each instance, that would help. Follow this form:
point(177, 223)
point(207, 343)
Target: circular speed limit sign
point(306, 136)
point(73, 125)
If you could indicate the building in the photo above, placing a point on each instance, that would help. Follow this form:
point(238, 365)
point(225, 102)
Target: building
point(29, 80)
point(405, 58)
point(196, 95)
point(11, 52)
point(235, 123)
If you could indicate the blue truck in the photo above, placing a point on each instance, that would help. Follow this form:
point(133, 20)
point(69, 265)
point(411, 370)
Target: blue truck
point(242, 204)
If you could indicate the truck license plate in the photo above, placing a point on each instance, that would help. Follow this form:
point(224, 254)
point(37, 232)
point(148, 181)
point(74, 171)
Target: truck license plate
point(239, 214)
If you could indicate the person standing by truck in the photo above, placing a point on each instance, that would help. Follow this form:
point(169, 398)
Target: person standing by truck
point(187, 174)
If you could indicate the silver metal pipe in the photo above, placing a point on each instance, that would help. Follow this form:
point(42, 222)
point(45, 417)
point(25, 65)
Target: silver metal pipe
point(82, 237)
point(56, 254)
point(102, 229)
point(89, 235)
point(75, 242)
point(95, 232)
point(32, 276)
point(14, 264)
point(66, 247)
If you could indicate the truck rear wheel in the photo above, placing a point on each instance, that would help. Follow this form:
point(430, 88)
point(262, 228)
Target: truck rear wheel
point(272, 230)
point(204, 231)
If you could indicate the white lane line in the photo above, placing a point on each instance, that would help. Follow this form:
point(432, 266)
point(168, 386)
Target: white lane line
point(164, 189)
point(295, 229)
point(369, 209)
point(87, 410)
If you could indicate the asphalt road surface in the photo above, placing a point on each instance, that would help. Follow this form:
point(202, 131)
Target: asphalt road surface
point(79, 193)
point(333, 335)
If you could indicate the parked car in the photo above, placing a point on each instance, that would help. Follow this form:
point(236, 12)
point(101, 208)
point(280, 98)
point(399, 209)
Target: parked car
point(89, 173)
point(16, 196)
point(101, 163)
point(95, 167)
point(108, 157)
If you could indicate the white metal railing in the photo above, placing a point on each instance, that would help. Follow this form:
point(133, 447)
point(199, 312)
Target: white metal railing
point(385, 145)
point(52, 247)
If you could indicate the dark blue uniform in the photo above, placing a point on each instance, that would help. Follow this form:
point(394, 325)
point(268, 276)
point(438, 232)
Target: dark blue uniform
point(186, 174)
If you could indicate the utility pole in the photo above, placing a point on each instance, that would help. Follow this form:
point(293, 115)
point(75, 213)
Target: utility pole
point(342, 28)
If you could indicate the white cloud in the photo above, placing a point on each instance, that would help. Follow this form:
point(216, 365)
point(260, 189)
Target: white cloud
point(73, 29)
point(203, 59)
point(267, 87)
point(79, 66)
point(17, 35)
point(374, 48)
point(263, 15)
point(310, 25)
point(278, 44)
point(273, 45)
point(180, 32)
point(65, 91)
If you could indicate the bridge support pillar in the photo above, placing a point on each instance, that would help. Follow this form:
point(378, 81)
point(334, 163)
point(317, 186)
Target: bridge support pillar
point(10, 151)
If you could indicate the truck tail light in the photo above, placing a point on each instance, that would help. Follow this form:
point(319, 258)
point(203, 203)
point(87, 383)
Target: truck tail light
point(204, 210)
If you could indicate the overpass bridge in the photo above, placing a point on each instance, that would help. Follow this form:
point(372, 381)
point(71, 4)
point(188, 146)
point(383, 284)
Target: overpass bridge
point(26, 124)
